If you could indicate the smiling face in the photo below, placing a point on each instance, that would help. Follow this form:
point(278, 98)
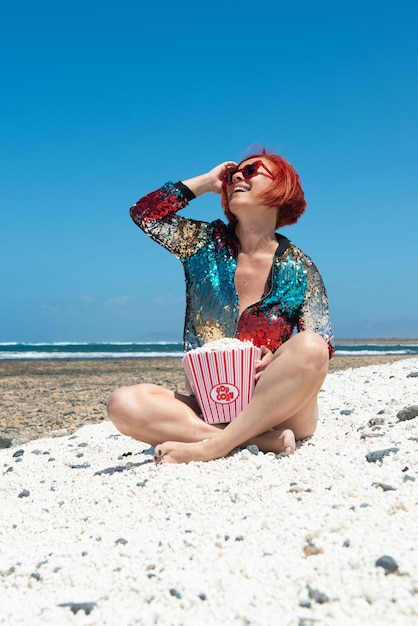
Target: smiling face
point(244, 184)
point(274, 184)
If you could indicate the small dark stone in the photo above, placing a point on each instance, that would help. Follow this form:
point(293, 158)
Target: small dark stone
point(381, 412)
point(364, 505)
point(378, 455)
point(384, 486)
point(175, 593)
point(122, 541)
point(18, 453)
point(10, 469)
point(37, 452)
point(376, 421)
point(82, 445)
point(253, 449)
point(408, 477)
point(239, 538)
point(318, 596)
point(80, 465)
point(87, 607)
point(346, 412)
point(412, 375)
point(36, 575)
point(346, 543)
point(142, 483)
point(388, 563)
point(408, 413)
point(5, 442)
point(202, 596)
point(24, 494)
point(305, 604)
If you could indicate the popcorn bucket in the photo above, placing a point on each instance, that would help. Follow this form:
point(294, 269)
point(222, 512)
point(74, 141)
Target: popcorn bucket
point(222, 380)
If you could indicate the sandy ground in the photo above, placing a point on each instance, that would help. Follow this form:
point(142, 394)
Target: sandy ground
point(93, 533)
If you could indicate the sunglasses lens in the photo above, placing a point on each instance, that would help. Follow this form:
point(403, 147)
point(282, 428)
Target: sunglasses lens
point(249, 170)
point(229, 175)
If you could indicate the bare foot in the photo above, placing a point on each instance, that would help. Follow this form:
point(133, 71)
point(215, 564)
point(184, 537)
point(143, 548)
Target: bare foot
point(179, 452)
point(276, 441)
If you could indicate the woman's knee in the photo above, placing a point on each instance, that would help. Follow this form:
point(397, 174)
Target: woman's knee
point(313, 350)
point(305, 353)
point(124, 405)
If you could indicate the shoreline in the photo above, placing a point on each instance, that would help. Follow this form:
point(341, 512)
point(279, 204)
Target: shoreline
point(56, 397)
point(381, 341)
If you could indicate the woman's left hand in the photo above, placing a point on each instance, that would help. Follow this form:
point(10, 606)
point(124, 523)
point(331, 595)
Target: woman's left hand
point(266, 359)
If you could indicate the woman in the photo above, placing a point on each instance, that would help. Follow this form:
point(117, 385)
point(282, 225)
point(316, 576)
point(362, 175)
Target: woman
point(242, 280)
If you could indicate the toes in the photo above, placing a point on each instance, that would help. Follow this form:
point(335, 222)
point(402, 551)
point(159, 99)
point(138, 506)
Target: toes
point(158, 453)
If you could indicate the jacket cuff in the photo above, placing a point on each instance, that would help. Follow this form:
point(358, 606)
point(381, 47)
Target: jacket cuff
point(187, 193)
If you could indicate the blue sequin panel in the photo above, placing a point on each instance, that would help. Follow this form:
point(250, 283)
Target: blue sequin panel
point(289, 286)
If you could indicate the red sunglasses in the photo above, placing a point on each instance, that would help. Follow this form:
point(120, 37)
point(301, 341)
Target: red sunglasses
point(248, 171)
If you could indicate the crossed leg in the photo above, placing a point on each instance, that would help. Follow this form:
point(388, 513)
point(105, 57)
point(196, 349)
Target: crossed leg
point(152, 414)
point(283, 408)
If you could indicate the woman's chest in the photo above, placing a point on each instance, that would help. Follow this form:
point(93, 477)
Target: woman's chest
point(252, 279)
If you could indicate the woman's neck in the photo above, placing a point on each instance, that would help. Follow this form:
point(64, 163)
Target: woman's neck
point(256, 238)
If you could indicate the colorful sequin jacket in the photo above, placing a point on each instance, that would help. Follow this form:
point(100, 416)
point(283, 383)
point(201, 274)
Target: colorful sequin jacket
point(296, 298)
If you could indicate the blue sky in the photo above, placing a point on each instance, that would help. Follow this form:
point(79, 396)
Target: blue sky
point(102, 102)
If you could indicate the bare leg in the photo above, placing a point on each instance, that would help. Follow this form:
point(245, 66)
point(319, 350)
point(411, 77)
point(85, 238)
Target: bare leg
point(153, 414)
point(285, 398)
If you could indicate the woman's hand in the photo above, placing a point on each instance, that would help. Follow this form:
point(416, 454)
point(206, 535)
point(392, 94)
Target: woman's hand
point(217, 173)
point(209, 182)
point(266, 359)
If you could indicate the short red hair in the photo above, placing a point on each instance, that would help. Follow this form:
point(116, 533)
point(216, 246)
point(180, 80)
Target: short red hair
point(285, 191)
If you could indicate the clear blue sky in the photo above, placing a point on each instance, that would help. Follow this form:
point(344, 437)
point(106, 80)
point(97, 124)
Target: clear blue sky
point(102, 102)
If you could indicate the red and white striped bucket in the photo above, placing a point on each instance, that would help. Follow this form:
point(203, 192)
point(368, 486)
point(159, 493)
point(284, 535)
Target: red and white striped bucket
point(222, 380)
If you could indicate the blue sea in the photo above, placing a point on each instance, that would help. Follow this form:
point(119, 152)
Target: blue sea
point(125, 350)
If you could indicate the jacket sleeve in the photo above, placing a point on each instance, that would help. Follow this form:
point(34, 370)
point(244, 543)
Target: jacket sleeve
point(156, 215)
point(314, 314)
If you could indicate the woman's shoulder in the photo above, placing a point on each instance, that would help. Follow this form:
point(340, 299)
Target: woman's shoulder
point(290, 250)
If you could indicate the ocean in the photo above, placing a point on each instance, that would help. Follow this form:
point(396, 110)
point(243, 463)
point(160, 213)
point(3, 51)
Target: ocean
point(125, 350)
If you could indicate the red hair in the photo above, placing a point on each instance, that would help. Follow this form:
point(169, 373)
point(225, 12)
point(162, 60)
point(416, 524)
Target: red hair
point(285, 191)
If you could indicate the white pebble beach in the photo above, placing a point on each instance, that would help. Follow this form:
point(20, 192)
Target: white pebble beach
point(93, 533)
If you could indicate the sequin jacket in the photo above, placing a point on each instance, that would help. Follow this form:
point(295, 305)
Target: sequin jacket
point(296, 298)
